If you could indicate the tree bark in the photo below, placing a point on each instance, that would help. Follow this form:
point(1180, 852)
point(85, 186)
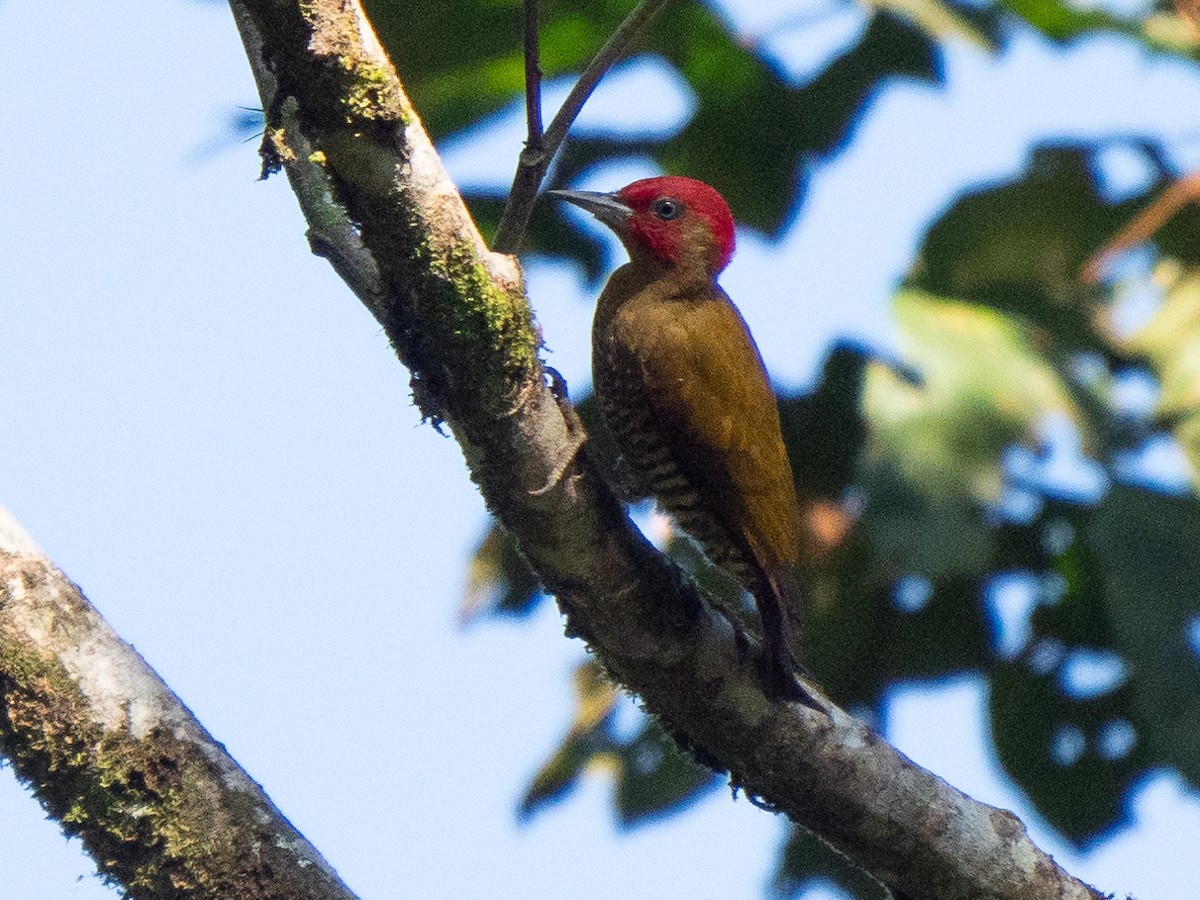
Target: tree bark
point(121, 763)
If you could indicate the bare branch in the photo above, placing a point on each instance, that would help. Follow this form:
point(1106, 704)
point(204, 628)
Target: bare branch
point(1143, 226)
point(534, 162)
point(533, 78)
point(158, 804)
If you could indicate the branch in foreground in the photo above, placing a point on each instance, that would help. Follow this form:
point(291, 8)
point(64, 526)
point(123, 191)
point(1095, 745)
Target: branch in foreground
point(533, 163)
point(533, 77)
point(457, 317)
point(121, 763)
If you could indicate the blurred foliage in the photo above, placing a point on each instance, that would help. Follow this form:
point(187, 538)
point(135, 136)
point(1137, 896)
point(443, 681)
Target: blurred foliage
point(1170, 342)
point(456, 75)
point(805, 857)
point(937, 482)
point(651, 775)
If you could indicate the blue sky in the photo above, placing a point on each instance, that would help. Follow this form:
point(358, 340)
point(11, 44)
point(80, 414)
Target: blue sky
point(206, 431)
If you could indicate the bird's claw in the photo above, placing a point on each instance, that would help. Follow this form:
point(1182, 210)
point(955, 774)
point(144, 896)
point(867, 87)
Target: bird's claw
point(576, 432)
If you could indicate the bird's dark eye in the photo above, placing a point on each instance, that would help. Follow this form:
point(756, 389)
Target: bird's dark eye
point(666, 208)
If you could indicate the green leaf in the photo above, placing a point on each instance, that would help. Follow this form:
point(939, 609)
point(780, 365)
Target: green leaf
point(1030, 714)
point(652, 775)
point(1065, 21)
point(933, 459)
point(825, 431)
point(498, 579)
point(1170, 342)
point(549, 232)
point(1019, 247)
point(763, 176)
point(858, 640)
point(587, 744)
point(1150, 548)
point(657, 778)
point(806, 857)
point(1035, 717)
point(940, 21)
point(1160, 30)
point(458, 75)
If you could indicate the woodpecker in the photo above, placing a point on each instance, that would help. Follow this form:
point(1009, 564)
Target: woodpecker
point(684, 392)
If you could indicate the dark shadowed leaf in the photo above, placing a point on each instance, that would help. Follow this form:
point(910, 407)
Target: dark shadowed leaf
point(806, 857)
point(656, 777)
point(825, 431)
point(651, 775)
point(864, 631)
point(498, 581)
point(1055, 744)
point(1019, 247)
point(462, 62)
point(1073, 745)
point(1150, 546)
point(549, 232)
point(763, 178)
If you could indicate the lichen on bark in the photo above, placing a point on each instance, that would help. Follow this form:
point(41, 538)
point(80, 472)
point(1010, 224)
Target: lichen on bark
point(456, 314)
point(121, 764)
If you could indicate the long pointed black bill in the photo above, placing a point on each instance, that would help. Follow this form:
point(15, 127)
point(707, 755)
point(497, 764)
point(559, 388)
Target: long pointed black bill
point(608, 208)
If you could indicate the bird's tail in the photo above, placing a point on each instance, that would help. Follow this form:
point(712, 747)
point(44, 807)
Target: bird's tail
point(776, 602)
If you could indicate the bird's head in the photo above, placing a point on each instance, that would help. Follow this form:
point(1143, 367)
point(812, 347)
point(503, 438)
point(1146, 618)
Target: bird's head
point(680, 221)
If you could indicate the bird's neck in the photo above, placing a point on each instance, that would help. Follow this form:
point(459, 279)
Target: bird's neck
point(648, 274)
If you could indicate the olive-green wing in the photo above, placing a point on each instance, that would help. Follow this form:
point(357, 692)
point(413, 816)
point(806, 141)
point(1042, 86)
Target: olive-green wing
point(711, 398)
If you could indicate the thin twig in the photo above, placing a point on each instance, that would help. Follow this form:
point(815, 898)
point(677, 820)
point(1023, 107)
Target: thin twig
point(533, 77)
point(1144, 225)
point(534, 162)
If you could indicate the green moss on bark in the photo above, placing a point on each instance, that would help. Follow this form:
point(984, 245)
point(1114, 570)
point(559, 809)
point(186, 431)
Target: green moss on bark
point(148, 810)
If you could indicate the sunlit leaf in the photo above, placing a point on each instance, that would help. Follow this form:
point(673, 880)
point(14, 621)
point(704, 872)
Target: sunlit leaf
point(586, 744)
point(1064, 21)
point(1171, 343)
point(933, 459)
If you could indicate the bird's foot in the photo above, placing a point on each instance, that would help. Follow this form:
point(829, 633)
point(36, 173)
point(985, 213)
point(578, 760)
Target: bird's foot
point(576, 432)
point(558, 390)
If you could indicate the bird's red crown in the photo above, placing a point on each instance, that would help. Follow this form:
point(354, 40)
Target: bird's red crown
point(673, 215)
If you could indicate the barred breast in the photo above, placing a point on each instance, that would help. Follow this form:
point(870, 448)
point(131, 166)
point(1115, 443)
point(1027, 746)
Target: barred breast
point(645, 441)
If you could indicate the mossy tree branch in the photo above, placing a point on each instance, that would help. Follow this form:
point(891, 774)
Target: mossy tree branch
point(120, 762)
